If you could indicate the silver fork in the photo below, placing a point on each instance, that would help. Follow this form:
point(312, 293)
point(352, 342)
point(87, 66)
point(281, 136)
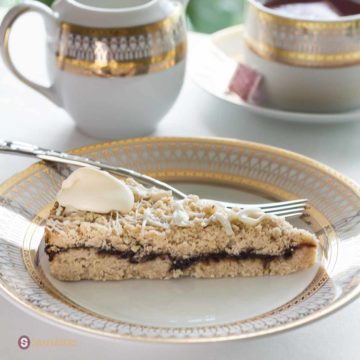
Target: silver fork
point(289, 208)
point(284, 208)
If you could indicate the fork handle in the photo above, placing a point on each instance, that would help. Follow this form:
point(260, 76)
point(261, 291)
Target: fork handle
point(24, 149)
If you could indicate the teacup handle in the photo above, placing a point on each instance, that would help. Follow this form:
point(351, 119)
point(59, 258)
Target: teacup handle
point(5, 31)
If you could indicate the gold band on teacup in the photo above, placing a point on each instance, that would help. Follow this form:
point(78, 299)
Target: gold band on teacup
point(303, 43)
point(112, 52)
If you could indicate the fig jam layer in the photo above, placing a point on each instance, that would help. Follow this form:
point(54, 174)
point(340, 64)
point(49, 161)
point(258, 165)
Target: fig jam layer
point(183, 263)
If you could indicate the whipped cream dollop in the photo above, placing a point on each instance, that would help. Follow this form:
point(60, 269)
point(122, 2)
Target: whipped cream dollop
point(90, 189)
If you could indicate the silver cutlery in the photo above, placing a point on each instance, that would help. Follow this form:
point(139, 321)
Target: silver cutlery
point(284, 208)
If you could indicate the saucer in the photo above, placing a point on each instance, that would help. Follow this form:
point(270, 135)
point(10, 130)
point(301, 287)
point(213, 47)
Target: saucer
point(213, 62)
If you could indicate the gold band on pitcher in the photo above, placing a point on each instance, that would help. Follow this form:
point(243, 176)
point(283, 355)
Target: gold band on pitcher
point(109, 52)
point(301, 42)
point(114, 68)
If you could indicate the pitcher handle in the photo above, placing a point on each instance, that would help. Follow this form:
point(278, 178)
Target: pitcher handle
point(5, 31)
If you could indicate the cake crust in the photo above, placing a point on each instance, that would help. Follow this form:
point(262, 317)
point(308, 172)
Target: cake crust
point(84, 264)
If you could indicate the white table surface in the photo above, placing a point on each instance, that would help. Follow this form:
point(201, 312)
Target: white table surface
point(27, 116)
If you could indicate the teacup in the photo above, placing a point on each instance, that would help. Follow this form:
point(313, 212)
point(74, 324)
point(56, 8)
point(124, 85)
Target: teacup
point(117, 67)
point(307, 65)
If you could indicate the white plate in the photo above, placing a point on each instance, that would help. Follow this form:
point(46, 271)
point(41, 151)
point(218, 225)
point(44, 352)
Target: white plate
point(212, 63)
point(189, 310)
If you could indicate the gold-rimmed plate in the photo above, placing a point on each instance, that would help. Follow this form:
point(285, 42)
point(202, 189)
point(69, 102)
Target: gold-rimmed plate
point(189, 310)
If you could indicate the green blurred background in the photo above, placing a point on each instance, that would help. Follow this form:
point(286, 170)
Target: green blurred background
point(211, 15)
point(203, 15)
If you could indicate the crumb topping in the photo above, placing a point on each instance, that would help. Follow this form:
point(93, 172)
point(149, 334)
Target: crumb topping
point(157, 221)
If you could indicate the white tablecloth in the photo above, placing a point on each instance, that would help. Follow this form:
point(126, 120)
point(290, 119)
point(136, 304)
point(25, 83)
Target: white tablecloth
point(27, 116)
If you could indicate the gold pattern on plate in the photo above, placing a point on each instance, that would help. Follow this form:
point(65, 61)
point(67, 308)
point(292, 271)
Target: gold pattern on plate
point(276, 173)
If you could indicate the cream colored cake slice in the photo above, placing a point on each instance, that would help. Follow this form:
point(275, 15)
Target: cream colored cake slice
point(163, 238)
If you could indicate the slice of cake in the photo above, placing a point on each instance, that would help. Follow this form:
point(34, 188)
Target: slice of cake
point(102, 228)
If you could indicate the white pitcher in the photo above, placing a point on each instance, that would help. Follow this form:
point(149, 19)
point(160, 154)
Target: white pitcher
point(116, 66)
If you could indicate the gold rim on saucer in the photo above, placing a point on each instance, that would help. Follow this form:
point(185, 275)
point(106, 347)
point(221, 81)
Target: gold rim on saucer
point(275, 173)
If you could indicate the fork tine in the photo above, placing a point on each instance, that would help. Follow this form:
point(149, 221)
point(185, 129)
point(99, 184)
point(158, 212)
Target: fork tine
point(294, 214)
point(287, 212)
point(285, 207)
point(268, 206)
point(281, 203)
